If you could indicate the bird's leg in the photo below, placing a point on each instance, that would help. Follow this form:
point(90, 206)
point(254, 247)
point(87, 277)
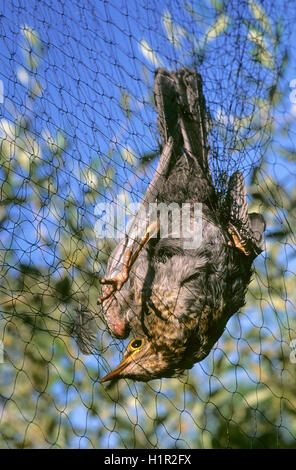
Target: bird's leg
point(122, 276)
point(115, 283)
point(238, 241)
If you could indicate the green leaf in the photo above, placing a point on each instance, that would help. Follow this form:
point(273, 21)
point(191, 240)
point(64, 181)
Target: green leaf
point(218, 4)
point(260, 52)
point(264, 57)
point(30, 35)
point(91, 179)
point(128, 156)
point(220, 26)
point(260, 15)
point(149, 53)
point(125, 101)
point(107, 179)
point(31, 59)
point(174, 31)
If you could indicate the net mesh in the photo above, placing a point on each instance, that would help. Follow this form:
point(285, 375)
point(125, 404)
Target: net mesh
point(78, 128)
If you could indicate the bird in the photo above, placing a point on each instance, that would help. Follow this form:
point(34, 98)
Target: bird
point(172, 297)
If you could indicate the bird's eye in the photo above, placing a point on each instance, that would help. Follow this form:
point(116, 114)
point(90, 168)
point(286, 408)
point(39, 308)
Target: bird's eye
point(136, 344)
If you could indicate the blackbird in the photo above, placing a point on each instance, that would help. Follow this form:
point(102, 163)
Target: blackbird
point(173, 290)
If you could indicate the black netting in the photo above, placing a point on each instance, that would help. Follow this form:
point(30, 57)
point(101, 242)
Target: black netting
point(78, 127)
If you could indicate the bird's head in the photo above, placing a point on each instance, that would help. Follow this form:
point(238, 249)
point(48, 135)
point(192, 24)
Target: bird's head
point(141, 361)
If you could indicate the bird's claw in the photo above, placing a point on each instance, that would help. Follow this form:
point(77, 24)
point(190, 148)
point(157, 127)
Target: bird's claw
point(116, 283)
point(107, 293)
point(237, 240)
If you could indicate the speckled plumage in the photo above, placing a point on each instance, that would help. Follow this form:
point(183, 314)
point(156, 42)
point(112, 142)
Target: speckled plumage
point(176, 300)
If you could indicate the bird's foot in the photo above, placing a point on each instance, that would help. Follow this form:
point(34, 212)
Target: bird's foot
point(115, 283)
point(237, 240)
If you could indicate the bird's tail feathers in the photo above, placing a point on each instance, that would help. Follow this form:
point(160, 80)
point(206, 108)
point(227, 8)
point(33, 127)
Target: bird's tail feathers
point(182, 112)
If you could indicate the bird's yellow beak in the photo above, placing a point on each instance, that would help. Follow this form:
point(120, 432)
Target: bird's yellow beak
point(114, 374)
